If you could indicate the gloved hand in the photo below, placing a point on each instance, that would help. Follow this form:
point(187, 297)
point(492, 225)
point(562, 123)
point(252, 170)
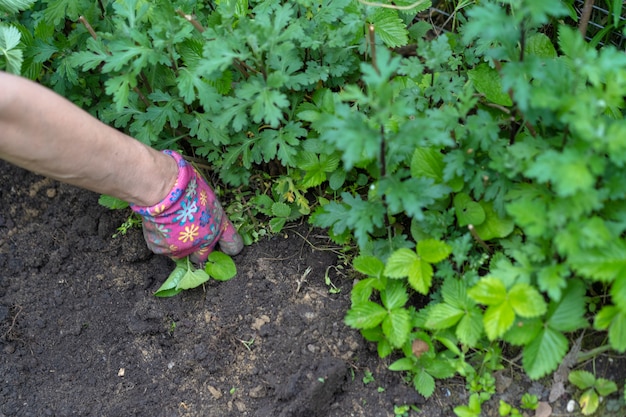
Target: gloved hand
point(190, 220)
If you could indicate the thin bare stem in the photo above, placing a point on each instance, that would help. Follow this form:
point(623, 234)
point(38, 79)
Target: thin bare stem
point(88, 27)
point(585, 16)
point(191, 20)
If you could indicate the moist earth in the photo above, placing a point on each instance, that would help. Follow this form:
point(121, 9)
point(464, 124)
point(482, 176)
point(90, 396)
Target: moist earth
point(81, 333)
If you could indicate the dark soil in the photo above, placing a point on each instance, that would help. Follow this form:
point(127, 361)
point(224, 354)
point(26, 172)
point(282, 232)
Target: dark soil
point(81, 333)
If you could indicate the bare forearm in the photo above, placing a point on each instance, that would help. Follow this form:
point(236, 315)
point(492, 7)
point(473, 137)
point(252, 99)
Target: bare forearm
point(45, 133)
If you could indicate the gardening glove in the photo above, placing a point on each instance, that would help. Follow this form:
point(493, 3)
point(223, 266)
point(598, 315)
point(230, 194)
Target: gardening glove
point(190, 220)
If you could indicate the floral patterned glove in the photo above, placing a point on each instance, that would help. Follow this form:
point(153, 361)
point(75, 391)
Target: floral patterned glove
point(190, 220)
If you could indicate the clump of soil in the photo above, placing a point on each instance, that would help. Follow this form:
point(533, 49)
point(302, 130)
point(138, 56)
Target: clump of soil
point(81, 333)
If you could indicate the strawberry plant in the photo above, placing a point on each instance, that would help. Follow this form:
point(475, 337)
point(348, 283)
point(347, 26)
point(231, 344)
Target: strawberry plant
point(477, 173)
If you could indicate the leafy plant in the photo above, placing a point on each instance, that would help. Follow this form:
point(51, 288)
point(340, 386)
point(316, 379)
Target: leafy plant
point(478, 173)
point(593, 389)
point(219, 266)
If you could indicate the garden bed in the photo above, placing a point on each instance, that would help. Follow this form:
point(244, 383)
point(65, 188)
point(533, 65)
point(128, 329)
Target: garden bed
point(82, 334)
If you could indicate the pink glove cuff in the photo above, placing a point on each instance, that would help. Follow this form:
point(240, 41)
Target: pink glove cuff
point(188, 221)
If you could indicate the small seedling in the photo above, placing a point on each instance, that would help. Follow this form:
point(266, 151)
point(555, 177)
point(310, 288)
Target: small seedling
point(368, 377)
point(380, 389)
point(219, 266)
point(131, 222)
point(506, 409)
point(322, 380)
point(332, 289)
point(233, 390)
point(248, 343)
point(593, 390)
point(530, 401)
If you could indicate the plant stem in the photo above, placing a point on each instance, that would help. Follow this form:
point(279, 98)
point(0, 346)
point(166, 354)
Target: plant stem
point(585, 16)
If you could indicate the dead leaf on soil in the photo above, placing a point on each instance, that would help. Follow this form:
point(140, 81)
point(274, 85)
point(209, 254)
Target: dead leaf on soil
point(561, 374)
point(543, 409)
point(503, 382)
point(419, 347)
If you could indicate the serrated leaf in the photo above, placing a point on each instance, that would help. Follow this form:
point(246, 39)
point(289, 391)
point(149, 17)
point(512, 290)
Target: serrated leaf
point(540, 45)
point(470, 328)
point(397, 327)
point(498, 319)
point(544, 353)
point(14, 6)
point(433, 251)
point(277, 224)
point(389, 27)
point(281, 209)
point(424, 383)
point(523, 331)
point(568, 314)
point(9, 40)
point(220, 266)
point(526, 301)
point(400, 263)
point(617, 332)
point(421, 277)
point(602, 264)
point(488, 291)
point(487, 81)
point(442, 316)
point(368, 265)
point(605, 387)
point(582, 379)
point(394, 295)
point(427, 162)
point(365, 315)
point(468, 211)
point(112, 203)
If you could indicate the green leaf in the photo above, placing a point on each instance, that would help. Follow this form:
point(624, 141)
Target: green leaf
point(365, 315)
point(220, 266)
point(544, 353)
point(400, 263)
point(112, 203)
point(424, 383)
point(582, 379)
point(494, 226)
point(540, 45)
point(488, 291)
point(568, 314)
point(9, 40)
point(442, 316)
point(433, 251)
point(487, 82)
point(421, 277)
point(281, 209)
point(397, 327)
point(605, 387)
point(498, 319)
point(617, 332)
point(394, 295)
point(170, 287)
point(402, 364)
point(602, 264)
point(427, 162)
point(389, 27)
point(468, 211)
point(589, 402)
point(369, 265)
point(192, 279)
point(567, 171)
point(470, 328)
point(14, 6)
point(526, 301)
